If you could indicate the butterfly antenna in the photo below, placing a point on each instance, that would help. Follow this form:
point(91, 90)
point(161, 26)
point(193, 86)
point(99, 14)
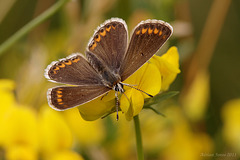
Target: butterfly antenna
point(126, 96)
point(125, 84)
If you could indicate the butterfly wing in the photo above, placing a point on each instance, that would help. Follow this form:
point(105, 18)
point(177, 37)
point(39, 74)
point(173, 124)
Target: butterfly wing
point(65, 97)
point(109, 43)
point(75, 70)
point(148, 36)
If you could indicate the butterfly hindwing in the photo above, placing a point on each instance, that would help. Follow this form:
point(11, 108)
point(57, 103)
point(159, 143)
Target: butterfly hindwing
point(75, 70)
point(109, 43)
point(148, 36)
point(65, 97)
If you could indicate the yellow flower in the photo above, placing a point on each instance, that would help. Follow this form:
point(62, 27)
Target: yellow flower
point(19, 128)
point(97, 108)
point(231, 121)
point(21, 152)
point(195, 101)
point(168, 64)
point(55, 135)
point(147, 79)
point(63, 155)
point(153, 77)
point(6, 100)
point(84, 131)
point(19, 133)
point(6, 95)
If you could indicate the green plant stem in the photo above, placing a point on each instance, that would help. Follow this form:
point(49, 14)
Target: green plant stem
point(32, 24)
point(138, 138)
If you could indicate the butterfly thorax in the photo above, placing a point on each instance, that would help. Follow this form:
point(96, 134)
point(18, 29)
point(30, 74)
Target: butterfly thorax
point(110, 77)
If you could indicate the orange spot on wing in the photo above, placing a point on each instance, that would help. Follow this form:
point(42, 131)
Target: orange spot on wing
point(144, 30)
point(164, 37)
point(59, 100)
point(155, 31)
point(150, 30)
point(56, 69)
point(59, 92)
point(62, 65)
point(93, 46)
point(68, 62)
point(76, 60)
point(60, 103)
point(108, 28)
point(65, 106)
point(97, 38)
point(160, 33)
point(59, 95)
point(103, 33)
point(138, 32)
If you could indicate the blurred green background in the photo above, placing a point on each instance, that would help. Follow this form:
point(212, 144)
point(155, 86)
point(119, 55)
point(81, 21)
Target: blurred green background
point(202, 122)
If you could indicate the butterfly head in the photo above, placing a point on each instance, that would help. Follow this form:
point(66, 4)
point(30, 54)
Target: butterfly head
point(118, 87)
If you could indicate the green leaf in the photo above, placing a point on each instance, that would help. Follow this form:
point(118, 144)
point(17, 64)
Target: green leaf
point(20, 13)
point(158, 98)
point(32, 24)
point(154, 110)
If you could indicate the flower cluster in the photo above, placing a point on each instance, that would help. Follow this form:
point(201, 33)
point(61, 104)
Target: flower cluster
point(28, 134)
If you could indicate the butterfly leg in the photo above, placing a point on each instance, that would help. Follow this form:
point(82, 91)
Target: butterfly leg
point(104, 95)
point(117, 104)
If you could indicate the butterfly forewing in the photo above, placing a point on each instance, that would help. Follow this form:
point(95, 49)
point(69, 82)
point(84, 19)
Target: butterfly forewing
point(75, 70)
point(146, 39)
point(65, 97)
point(109, 43)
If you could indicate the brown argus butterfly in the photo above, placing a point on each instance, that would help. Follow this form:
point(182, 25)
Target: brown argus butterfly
point(110, 59)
